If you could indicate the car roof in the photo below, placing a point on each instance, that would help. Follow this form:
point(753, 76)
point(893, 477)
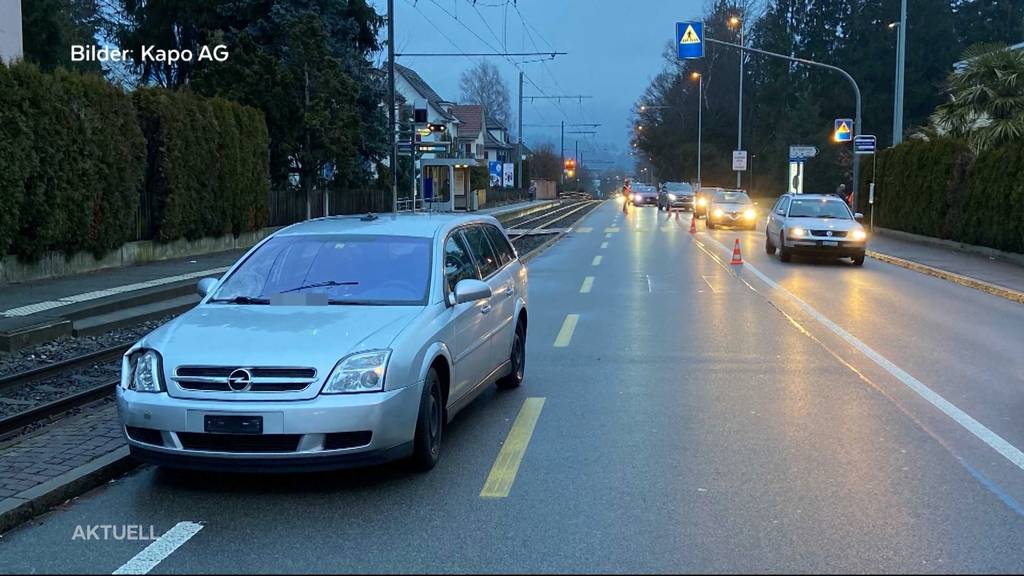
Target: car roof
point(816, 196)
point(420, 224)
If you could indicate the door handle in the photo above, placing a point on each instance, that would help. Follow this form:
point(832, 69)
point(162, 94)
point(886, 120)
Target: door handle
point(485, 309)
point(508, 291)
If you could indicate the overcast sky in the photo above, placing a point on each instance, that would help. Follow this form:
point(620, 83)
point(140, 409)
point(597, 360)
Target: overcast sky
point(614, 48)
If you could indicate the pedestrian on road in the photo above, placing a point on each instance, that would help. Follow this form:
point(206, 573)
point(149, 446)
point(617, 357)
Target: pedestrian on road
point(846, 196)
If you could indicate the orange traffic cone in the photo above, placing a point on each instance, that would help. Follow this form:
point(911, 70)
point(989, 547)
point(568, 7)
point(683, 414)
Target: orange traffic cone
point(693, 224)
point(736, 257)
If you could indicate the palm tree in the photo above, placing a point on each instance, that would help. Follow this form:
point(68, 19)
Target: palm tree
point(986, 106)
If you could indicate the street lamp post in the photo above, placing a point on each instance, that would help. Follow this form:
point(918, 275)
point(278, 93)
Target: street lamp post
point(700, 115)
point(736, 21)
point(901, 54)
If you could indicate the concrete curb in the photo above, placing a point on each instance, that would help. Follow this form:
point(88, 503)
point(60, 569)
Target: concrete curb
point(41, 498)
point(547, 244)
point(981, 285)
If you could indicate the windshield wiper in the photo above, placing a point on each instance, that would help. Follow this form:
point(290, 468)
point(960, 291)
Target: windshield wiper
point(351, 303)
point(242, 300)
point(320, 285)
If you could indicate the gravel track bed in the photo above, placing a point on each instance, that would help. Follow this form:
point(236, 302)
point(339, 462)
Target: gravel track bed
point(67, 347)
point(524, 244)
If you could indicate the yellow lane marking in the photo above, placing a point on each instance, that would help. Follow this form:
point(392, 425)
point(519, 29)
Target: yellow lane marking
point(604, 245)
point(506, 465)
point(597, 260)
point(611, 229)
point(588, 283)
point(584, 229)
point(565, 334)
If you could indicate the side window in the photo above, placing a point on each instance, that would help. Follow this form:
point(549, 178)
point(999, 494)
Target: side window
point(457, 263)
point(505, 252)
point(485, 258)
point(783, 206)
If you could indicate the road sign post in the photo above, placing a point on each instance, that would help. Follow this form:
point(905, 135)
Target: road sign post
point(843, 130)
point(690, 39)
point(739, 160)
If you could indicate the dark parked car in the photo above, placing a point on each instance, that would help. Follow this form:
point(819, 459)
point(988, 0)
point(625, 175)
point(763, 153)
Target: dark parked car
point(675, 195)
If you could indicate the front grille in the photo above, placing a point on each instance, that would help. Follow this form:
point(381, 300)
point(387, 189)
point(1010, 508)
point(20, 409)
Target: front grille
point(239, 442)
point(339, 440)
point(264, 379)
point(824, 233)
point(224, 371)
point(255, 387)
point(145, 435)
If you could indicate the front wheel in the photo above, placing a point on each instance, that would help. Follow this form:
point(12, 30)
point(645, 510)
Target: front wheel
point(784, 254)
point(429, 425)
point(858, 260)
point(517, 361)
point(709, 224)
point(769, 248)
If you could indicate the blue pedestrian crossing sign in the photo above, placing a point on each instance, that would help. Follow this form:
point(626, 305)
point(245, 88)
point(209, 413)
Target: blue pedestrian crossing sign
point(690, 39)
point(844, 130)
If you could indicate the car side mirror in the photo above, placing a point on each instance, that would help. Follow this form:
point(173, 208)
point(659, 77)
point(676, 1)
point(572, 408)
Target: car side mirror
point(780, 212)
point(205, 286)
point(858, 216)
point(470, 290)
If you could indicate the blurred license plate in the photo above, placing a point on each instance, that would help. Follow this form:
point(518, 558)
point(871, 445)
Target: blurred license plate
point(829, 243)
point(233, 424)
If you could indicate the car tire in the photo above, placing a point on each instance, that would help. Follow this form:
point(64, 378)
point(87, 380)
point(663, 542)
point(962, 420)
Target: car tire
point(426, 449)
point(784, 254)
point(517, 359)
point(709, 224)
point(769, 248)
point(858, 260)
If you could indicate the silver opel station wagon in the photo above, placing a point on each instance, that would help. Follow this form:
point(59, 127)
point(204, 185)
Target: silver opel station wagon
point(335, 342)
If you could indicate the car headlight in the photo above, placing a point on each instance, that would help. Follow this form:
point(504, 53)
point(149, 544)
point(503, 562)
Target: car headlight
point(144, 375)
point(797, 232)
point(750, 214)
point(636, 198)
point(359, 372)
point(718, 213)
point(858, 235)
point(672, 197)
point(701, 201)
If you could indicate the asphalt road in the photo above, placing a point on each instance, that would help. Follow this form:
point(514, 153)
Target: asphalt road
point(809, 417)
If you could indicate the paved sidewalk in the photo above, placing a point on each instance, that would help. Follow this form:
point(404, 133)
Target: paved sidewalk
point(986, 269)
point(60, 461)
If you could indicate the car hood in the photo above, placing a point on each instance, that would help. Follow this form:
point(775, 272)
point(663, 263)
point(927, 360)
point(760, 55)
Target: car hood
point(824, 223)
point(281, 336)
point(732, 207)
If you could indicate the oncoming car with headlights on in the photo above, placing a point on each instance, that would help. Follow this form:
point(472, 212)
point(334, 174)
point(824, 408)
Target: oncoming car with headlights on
point(731, 208)
point(815, 224)
point(335, 342)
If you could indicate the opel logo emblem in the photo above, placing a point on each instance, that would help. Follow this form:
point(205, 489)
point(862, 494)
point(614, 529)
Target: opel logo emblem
point(829, 233)
point(239, 380)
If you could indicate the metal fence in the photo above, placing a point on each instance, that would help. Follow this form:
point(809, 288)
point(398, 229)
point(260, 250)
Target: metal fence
point(288, 205)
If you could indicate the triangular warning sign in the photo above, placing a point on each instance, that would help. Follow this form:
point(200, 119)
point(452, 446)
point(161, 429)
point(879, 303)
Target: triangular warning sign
point(844, 128)
point(690, 37)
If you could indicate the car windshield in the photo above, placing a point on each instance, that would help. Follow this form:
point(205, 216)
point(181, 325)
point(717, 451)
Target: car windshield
point(349, 269)
point(678, 187)
point(732, 198)
point(818, 208)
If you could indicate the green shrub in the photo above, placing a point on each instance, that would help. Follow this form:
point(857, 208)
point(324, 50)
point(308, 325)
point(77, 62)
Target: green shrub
point(70, 163)
point(207, 170)
point(938, 188)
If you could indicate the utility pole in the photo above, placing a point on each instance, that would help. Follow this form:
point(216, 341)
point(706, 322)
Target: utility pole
point(391, 108)
point(901, 55)
point(519, 144)
point(563, 154)
point(739, 112)
point(577, 157)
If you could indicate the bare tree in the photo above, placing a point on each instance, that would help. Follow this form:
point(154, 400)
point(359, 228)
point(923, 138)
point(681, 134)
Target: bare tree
point(483, 84)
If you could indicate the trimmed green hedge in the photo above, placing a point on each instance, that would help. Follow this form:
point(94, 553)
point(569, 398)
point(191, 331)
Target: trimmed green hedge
point(208, 164)
point(939, 188)
point(71, 163)
point(78, 154)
